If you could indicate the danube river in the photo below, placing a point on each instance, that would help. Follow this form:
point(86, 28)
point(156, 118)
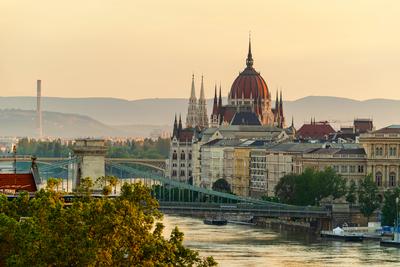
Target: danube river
point(239, 245)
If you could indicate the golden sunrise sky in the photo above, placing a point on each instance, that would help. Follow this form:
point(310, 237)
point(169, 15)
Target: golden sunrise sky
point(147, 49)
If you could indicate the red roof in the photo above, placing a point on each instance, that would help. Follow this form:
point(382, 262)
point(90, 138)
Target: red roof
point(249, 84)
point(17, 182)
point(318, 130)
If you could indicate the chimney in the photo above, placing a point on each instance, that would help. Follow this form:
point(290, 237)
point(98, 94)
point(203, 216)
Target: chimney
point(39, 108)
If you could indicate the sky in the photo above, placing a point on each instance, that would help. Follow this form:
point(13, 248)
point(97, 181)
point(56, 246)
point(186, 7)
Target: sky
point(149, 49)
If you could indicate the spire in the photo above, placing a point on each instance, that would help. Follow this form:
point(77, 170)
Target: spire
point(276, 102)
point(281, 106)
point(249, 60)
point(292, 122)
point(174, 133)
point(202, 89)
point(180, 124)
point(215, 106)
point(220, 97)
point(193, 91)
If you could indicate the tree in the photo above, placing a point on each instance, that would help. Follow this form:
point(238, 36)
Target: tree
point(310, 186)
point(351, 196)
point(124, 231)
point(222, 185)
point(285, 188)
point(389, 208)
point(368, 198)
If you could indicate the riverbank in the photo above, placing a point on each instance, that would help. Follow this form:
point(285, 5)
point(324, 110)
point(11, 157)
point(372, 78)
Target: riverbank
point(243, 245)
point(278, 224)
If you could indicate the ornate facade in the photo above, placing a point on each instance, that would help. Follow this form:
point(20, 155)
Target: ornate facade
point(249, 93)
point(383, 158)
point(197, 111)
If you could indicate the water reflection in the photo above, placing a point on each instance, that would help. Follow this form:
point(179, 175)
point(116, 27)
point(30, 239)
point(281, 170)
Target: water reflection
point(239, 245)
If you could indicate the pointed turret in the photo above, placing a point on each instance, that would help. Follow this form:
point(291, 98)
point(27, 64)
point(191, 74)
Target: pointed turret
point(193, 91)
point(220, 98)
point(249, 60)
point(180, 124)
point(175, 131)
point(202, 118)
point(281, 105)
point(215, 106)
point(276, 102)
point(202, 88)
point(191, 117)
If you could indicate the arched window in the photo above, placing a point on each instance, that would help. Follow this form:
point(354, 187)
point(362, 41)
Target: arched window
point(174, 173)
point(392, 179)
point(182, 173)
point(174, 155)
point(183, 155)
point(190, 156)
point(378, 179)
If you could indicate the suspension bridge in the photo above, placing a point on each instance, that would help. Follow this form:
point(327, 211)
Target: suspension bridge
point(177, 197)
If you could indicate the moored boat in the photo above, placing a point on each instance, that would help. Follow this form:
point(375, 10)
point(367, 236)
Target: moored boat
point(215, 221)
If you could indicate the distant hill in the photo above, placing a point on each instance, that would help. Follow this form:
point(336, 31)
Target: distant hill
point(16, 122)
point(112, 111)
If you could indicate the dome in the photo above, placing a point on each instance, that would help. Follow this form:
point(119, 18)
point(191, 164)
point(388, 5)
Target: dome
point(249, 83)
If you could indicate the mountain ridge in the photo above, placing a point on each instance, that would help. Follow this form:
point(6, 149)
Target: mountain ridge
point(161, 111)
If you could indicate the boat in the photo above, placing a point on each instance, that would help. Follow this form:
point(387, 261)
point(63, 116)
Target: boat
point(215, 221)
point(338, 233)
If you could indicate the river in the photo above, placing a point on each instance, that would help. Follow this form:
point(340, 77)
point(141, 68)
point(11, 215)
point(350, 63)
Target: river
point(241, 245)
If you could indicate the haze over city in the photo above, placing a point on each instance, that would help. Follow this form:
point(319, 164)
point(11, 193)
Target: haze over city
point(199, 133)
point(134, 50)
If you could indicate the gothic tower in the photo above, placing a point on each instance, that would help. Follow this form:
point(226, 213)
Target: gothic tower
point(191, 118)
point(215, 112)
point(202, 118)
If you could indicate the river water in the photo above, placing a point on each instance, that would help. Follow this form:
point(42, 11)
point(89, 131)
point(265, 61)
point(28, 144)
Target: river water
point(240, 245)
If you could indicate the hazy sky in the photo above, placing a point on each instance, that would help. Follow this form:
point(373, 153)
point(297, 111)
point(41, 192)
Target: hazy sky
point(146, 49)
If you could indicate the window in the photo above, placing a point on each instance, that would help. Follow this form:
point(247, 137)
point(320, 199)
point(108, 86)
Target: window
point(392, 179)
point(343, 168)
point(190, 173)
point(190, 156)
point(173, 173)
point(336, 168)
point(182, 173)
point(379, 151)
point(183, 155)
point(182, 164)
point(360, 169)
point(392, 151)
point(378, 179)
point(174, 155)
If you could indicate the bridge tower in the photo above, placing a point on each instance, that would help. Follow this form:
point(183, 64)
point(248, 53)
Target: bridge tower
point(90, 155)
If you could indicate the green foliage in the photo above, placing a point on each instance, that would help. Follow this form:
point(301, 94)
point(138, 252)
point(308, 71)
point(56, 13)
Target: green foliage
point(351, 196)
point(40, 148)
point(222, 185)
point(310, 187)
point(91, 232)
point(389, 208)
point(368, 198)
point(148, 148)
